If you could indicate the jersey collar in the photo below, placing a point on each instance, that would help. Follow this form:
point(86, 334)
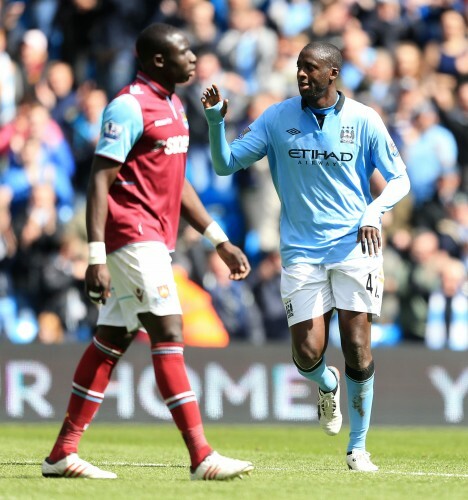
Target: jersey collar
point(338, 106)
point(161, 91)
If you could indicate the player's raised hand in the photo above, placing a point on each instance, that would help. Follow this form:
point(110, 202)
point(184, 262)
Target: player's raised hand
point(235, 259)
point(97, 283)
point(211, 97)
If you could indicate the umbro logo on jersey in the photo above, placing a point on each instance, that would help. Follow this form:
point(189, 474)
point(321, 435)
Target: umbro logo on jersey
point(164, 121)
point(347, 135)
point(136, 89)
point(293, 131)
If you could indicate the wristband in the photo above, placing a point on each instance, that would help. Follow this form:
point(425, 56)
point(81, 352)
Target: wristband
point(97, 253)
point(215, 234)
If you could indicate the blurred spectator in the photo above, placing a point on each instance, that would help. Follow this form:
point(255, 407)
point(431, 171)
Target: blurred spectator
point(32, 61)
point(8, 83)
point(38, 231)
point(447, 316)
point(452, 105)
point(201, 29)
point(451, 54)
point(249, 46)
point(58, 95)
point(425, 260)
point(290, 17)
point(429, 151)
point(283, 81)
point(65, 311)
point(31, 169)
point(8, 245)
point(218, 194)
point(331, 21)
point(265, 283)
point(234, 302)
point(76, 22)
point(260, 202)
point(85, 133)
point(453, 228)
point(409, 65)
point(386, 25)
point(380, 87)
point(358, 57)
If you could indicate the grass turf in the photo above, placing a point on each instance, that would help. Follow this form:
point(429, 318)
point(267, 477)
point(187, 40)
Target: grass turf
point(292, 462)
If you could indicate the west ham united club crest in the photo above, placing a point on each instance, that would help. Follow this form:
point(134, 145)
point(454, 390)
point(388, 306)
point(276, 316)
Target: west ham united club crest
point(163, 291)
point(347, 135)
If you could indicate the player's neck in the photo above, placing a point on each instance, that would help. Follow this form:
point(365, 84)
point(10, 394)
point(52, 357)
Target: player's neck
point(325, 101)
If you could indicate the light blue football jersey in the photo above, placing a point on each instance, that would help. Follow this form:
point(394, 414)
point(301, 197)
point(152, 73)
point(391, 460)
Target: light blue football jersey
point(321, 175)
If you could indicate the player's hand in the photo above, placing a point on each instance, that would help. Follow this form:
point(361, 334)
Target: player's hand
point(235, 259)
point(370, 239)
point(97, 283)
point(211, 97)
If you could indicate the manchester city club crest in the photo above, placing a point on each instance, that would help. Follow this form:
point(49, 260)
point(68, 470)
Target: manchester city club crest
point(347, 135)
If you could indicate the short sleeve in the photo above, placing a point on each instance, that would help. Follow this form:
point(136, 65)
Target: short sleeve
point(122, 126)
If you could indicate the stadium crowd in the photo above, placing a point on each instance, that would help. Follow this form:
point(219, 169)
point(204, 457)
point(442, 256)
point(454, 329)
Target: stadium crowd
point(61, 62)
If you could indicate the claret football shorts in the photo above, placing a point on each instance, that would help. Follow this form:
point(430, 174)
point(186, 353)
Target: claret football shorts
point(142, 281)
point(310, 290)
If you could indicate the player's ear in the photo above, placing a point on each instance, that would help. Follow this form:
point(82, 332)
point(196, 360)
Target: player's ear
point(334, 72)
point(158, 60)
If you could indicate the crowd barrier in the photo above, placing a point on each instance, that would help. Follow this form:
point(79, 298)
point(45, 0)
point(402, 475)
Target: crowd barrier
point(237, 384)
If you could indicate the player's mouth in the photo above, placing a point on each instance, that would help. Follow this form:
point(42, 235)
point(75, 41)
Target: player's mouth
point(303, 85)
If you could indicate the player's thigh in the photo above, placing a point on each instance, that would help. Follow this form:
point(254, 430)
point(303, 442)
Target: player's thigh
point(306, 292)
point(142, 282)
point(357, 285)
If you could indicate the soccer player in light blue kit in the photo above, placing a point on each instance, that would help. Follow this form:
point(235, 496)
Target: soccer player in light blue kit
point(322, 149)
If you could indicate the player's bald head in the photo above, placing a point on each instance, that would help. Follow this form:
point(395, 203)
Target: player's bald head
point(154, 39)
point(326, 52)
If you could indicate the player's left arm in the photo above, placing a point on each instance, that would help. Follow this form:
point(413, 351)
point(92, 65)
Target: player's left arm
point(386, 158)
point(193, 211)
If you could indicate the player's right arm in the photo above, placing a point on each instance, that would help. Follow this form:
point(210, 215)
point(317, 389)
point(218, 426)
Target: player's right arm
point(122, 126)
point(228, 159)
point(103, 174)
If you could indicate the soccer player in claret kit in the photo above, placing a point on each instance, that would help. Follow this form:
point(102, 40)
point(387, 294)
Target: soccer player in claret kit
point(137, 192)
point(322, 149)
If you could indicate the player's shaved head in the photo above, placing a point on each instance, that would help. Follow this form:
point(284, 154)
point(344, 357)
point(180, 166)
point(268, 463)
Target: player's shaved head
point(327, 52)
point(154, 39)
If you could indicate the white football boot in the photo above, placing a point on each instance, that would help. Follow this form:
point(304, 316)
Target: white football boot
point(74, 467)
point(359, 460)
point(329, 407)
point(218, 468)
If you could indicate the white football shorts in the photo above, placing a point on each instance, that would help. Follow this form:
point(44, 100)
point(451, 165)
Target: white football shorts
point(141, 281)
point(310, 290)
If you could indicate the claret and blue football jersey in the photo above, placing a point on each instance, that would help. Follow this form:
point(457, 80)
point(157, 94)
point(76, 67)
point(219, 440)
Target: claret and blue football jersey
point(321, 174)
point(146, 130)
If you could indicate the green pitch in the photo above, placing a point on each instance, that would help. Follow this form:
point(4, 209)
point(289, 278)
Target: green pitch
point(291, 463)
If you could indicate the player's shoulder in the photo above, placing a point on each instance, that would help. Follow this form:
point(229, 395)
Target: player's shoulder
point(362, 113)
point(292, 104)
